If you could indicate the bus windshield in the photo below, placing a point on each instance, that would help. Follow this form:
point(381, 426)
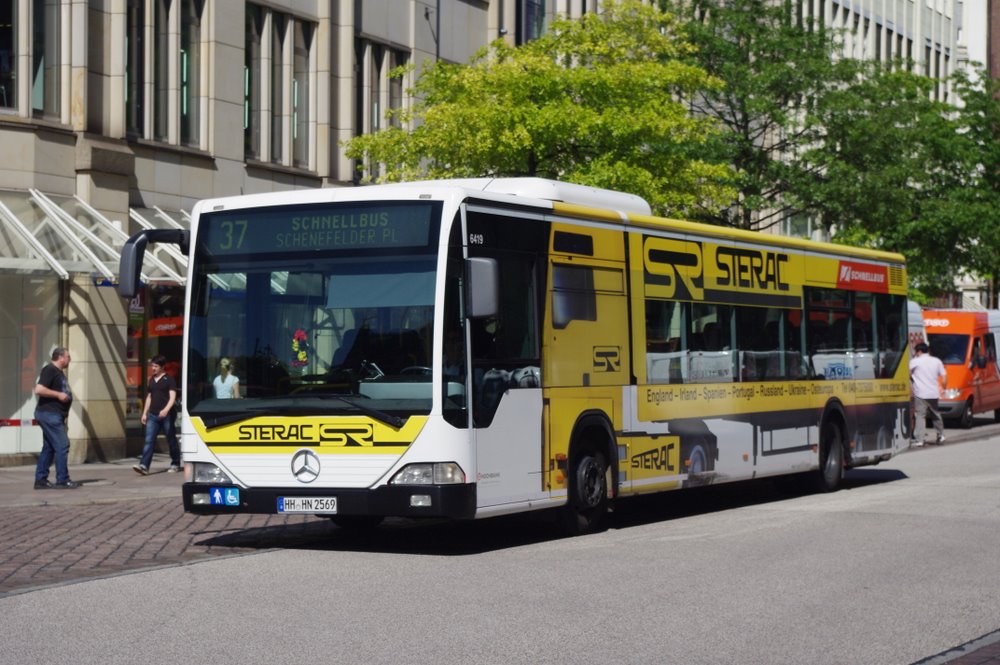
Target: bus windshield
point(951, 349)
point(323, 308)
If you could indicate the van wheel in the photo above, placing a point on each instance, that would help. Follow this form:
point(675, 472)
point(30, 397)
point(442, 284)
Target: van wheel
point(996, 415)
point(965, 420)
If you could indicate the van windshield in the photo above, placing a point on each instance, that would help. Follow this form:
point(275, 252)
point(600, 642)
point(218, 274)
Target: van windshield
point(951, 349)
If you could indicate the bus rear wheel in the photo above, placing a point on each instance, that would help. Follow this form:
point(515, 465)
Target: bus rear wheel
point(587, 506)
point(831, 457)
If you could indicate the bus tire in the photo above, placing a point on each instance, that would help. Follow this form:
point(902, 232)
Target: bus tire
point(996, 415)
point(587, 505)
point(965, 420)
point(831, 456)
point(697, 460)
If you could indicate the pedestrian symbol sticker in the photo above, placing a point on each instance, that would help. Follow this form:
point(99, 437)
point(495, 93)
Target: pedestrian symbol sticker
point(224, 496)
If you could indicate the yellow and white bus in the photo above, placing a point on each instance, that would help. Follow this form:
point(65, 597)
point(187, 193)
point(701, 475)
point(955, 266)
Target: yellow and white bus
point(477, 347)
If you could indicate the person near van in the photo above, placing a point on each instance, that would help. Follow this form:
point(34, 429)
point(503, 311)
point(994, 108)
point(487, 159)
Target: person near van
point(54, 400)
point(226, 384)
point(927, 379)
point(158, 415)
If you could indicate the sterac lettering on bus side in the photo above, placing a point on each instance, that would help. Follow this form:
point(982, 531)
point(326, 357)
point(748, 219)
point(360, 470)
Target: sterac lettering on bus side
point(335, 435)
point(672, 263)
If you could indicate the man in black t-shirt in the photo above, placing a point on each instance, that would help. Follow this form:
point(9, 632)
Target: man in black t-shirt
point(158, 415)
point(54, 399)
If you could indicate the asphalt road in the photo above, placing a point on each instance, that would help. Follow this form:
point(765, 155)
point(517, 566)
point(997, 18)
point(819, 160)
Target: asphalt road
point(899, 566)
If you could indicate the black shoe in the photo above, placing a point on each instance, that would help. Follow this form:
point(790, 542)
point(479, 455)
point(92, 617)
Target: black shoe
point(43, 485)
point(68, 485)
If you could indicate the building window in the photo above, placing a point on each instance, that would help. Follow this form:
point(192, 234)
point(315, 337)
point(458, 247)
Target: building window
point(278, 23)
point(279, 83)
point(164, 56)
point(190, 101)
point(161, 70)
point(380, 99)
point(530, 20)
point(251, 81)
point(301, 93)
point(135, 67)
point(8, 55)
point(45, 40)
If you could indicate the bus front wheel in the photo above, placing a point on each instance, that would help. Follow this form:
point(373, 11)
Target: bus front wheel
point(588, 493)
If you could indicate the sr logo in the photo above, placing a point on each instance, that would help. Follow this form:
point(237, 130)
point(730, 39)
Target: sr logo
point(607, 359)
point(352, 435)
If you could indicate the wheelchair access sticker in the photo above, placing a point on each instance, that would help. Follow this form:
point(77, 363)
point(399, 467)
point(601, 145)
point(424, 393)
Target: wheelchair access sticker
point(224, 496)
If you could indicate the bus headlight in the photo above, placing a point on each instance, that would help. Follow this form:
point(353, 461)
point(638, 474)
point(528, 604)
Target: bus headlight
point(439, 473)
point(209, 474)
point(951, 393)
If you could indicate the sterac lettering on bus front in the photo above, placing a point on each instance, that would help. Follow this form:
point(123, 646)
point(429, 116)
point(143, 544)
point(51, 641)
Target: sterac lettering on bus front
point(325, 435)
point(676, 269)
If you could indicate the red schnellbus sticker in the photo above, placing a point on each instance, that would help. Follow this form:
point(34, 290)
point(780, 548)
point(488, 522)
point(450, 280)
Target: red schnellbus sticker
point(862, 277)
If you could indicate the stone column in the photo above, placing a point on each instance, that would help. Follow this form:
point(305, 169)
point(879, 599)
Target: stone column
point(95, 324)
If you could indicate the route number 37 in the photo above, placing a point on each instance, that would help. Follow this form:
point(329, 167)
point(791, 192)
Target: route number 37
point(233, 233)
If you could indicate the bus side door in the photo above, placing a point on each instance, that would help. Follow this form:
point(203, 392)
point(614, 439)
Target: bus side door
point(585, 346)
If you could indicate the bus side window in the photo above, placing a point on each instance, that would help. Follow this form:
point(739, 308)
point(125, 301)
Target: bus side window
point(991, 347)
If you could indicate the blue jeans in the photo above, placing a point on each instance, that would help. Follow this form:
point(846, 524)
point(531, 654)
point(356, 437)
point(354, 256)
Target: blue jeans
point(154, 425)
point(55, 444)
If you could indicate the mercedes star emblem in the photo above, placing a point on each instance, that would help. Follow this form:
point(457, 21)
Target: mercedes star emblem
point(305, 466)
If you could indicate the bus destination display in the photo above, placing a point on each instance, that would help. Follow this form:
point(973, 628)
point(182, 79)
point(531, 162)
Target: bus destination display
point(324, 227)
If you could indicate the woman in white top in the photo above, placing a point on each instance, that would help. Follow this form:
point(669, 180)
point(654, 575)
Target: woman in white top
point(226, 384)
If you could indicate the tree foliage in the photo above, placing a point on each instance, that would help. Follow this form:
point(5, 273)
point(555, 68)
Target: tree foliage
point(898, 170)
point(736, 112)
point(863, 148)
point(596, 101)
point(774, 64)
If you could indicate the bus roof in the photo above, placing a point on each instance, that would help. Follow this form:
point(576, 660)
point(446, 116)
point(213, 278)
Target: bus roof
point(572, 200)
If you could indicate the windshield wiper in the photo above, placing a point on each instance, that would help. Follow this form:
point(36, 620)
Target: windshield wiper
point(221, 420)
point(211, 422)
point(382, 416)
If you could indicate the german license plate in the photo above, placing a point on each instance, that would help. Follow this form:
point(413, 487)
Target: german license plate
point(307, 504)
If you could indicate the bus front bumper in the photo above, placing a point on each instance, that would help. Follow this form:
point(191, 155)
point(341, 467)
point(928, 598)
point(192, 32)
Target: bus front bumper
point(451, 501)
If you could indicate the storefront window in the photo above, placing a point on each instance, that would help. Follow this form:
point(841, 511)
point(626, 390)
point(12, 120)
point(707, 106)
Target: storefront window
point(29, 330)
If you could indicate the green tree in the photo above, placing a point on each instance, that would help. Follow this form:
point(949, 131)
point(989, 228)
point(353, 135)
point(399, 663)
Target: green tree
point(900, 171)
point(775, 64)
point(860, 147)
point(597, 101)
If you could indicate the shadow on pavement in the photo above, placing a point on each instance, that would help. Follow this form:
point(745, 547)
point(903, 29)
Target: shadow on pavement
point(449, 538)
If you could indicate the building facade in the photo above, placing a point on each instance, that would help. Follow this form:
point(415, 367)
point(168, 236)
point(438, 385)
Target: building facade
point(118, 115)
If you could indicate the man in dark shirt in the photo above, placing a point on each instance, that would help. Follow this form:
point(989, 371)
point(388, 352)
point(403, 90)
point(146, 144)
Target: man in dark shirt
point(54, 399)
point(158, 414)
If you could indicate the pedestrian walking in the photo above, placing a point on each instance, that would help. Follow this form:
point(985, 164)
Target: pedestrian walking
point(51, 411)
point(158, 416)
point(927, 379)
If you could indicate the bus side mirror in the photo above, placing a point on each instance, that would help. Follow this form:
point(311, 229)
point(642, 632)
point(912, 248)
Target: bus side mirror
point(130, 264)
point(481, 287)
point(981, 362)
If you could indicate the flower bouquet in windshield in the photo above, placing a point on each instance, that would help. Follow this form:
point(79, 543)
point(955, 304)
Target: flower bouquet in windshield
point(300, 349)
